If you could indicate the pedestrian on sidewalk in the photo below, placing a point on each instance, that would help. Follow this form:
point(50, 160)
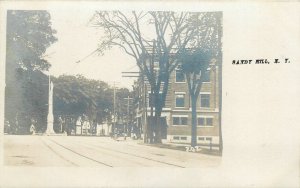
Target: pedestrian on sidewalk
point(32, 129)
point(116, 134)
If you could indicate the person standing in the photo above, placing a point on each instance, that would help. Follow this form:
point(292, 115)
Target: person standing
point(60, 122)
point(73, 125)
point(88, 126)
point(32, 129)
point(7, 128)
point(68, 125)
point(63, 125)
point(116, 134)
point(16, 127)
point(78, 126)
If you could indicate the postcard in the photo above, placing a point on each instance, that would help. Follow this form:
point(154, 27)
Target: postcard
point(150, 94)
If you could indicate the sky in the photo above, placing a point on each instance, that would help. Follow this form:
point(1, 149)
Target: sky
point(76, 40)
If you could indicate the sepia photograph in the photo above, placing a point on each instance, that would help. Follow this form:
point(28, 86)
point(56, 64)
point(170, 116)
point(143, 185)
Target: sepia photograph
point(111, 92)
point(168, 101)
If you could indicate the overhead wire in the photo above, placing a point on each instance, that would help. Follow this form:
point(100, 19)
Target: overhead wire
point(81, 60)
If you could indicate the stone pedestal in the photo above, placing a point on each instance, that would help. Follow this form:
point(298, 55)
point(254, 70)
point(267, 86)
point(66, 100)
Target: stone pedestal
point(50, 130)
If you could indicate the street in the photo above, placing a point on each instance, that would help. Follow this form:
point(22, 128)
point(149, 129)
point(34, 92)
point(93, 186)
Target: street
point(79, 151)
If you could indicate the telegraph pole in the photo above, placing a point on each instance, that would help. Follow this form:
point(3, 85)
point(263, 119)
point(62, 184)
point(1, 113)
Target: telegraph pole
point(114, 111)
point(114, 83)
point(128, 104)
point(146, 112)
point(139, 75)
point(153, 122)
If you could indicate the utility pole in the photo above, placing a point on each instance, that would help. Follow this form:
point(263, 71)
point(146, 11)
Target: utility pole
point(153, 122)
point(128, 98)
point(146, 130)
point(114, 111)
point(142, 79)
point(153, 80)
point(115, 84)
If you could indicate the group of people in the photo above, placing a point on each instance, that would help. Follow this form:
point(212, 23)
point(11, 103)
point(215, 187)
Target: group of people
point(70, 125)
point(15, 128)
point(24, 124)
point(83, 126)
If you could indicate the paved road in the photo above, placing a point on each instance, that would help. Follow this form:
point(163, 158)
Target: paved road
point(95, 152)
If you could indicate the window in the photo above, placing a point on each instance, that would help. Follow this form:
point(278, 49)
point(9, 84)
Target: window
point(209, 121)
point(205, 100)
point(176, 121)
point(200, 138)
point(206, 77)
point(184, 121)
point(179, 76)
point(205, 121)
point(179, 138)
point(179, 100)
point(208, 139)
point(201, 121)
point(183, 138)
point(180, 120)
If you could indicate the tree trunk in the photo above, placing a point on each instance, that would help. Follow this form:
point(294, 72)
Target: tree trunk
point(150, 130)
point(194, 121)
point(157, 128)
point(157, 117)
point(159, 104)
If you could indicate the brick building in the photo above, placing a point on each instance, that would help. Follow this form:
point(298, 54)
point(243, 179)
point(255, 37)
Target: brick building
point(177, 110)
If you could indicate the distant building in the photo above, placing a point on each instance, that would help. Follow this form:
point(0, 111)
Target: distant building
point(177, 109)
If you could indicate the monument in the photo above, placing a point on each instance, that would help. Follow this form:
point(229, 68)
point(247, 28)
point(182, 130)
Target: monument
point(50, 118)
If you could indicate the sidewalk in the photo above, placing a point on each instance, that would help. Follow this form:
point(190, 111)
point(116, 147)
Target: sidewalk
point(203, 149)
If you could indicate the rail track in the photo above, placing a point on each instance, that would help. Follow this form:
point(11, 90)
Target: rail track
point(59, 155)
point(97, 147)
point(81, 155)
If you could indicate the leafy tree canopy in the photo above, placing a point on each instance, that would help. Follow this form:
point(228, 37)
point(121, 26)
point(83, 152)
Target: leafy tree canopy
point(29, 34)
point(77, 95)
point(196, 61)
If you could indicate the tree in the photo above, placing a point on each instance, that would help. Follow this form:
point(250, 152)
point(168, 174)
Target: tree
point(29, 34)
point(155, 40)
point(197, 63)
point(77, 95)
point(195, 66)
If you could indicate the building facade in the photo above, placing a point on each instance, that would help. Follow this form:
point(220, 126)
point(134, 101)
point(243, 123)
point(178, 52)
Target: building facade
point(177, 110)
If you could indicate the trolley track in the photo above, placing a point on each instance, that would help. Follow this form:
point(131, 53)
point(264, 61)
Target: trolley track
point(59, 155)
point(131, 154)
point(84, 156)
point(92, 146)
